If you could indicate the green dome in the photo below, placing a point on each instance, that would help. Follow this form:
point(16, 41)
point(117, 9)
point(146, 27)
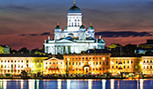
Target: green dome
point(82, 27)
point(57, 27)
point(65, 28)
point(90, 28)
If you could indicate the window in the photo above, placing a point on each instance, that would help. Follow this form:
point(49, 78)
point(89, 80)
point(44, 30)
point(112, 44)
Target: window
point(147, 67)
point(150, 67)
point(131, 61)
point(127, 61)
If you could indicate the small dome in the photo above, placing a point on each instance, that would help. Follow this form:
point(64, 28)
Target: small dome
point(82, 27)
point(57, 27)
point(90, 28)
point(74, 9)
point(65, 28)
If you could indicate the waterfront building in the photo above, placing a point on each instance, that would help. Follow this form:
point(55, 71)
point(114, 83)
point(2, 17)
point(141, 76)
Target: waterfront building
point(54, 66)
point(87, 63)
point(120, 65)
point(147, 65)
point(75, 38)
point(15, 64)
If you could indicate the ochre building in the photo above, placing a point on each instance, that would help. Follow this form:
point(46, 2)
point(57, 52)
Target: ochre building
point(91, 63)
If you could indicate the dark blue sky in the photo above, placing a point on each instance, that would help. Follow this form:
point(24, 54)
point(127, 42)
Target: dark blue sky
point(38, 16)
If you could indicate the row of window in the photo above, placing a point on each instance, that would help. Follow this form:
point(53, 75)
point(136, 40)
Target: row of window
point(53, 62)
point(11, 61)
point(94, 63)
point(88, 58)
point(90, 69)
point(148, 67)
point(47, 67)
point(120, 62)
point(113, 67)
point(11, 71)
point(147, 61)
point(15, 66)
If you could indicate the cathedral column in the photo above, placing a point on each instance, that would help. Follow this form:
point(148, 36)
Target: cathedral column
point(66, 49)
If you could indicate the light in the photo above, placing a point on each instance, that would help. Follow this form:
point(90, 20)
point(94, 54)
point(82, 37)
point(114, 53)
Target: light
point(68, 59)
point(141, 62)
point(103, 58)
point(112, 62)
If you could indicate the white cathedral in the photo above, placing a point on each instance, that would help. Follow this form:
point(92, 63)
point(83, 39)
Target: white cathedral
point(74, 38)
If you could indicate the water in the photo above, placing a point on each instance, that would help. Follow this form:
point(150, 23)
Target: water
point(76, 84)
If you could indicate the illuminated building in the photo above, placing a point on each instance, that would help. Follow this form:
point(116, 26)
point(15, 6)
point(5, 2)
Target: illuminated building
point(75, 38)
point(87, 63)
point(119, 65)
point(147, 64)
point(54, 66)
point(15, 64)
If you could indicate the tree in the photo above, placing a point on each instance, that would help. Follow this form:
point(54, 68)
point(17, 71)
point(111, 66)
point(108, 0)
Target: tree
point(24, 50)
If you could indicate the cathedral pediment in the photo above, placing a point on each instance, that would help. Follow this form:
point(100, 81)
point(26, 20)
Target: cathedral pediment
point(64, 41)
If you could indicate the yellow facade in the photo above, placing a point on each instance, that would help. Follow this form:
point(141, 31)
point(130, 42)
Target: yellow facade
point(124, 64)
point(92, 63)
point(54, 66)
point(147, 65)
point(15, 65)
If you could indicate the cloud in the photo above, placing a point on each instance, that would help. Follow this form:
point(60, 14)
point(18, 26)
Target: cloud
point(45, 33)
point(123, 34)
point(41, 34)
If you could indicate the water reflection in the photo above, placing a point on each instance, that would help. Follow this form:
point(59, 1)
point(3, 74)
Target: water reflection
point(4, 84)
point(31, 84)
point(59, 83)
point(76, 84)
point(90, 84)
point(104, 84)
point(141, 83)
point(112, 83)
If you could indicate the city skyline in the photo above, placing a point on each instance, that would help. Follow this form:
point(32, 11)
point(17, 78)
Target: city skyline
point(27, 23)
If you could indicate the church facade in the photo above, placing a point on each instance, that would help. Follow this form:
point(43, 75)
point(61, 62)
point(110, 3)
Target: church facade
point(75, 38)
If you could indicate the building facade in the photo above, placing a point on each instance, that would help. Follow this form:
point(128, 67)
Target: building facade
point(54, 66)
point(119, 65)
point(93, 63)
point(15, 65)
point(147, 65)
point(75, 37)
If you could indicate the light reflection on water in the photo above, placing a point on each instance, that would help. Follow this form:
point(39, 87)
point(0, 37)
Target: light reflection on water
point(76, 84)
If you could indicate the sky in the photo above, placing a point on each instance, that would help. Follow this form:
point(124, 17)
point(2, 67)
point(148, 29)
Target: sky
point(27, 23)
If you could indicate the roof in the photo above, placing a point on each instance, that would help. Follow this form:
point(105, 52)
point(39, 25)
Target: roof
point(98, 51)
point(90, 28)
point(74, 9)
point(57, 27)
point(82, 27)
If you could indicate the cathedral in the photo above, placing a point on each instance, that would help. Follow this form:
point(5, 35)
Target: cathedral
point(75, 38)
